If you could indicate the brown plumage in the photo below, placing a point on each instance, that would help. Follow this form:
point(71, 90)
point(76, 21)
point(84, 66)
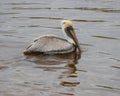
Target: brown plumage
point(51, 44)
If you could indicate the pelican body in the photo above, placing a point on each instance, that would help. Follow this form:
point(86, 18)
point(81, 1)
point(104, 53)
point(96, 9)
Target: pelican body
point(50, 44)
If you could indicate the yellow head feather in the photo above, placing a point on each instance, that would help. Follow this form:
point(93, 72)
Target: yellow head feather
point(66, 23)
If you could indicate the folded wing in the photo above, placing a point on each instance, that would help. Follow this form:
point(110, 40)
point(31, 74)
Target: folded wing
point(50, 45)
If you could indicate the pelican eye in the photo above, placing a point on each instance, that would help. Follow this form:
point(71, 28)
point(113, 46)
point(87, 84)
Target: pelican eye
point(69, 28)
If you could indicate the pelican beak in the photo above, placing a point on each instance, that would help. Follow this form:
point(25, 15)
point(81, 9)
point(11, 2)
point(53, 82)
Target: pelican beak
point(72, 34)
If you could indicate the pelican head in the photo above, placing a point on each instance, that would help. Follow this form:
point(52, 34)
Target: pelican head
point(67, 27)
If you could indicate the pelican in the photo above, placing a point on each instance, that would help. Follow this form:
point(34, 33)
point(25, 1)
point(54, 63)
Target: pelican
point(50, 44)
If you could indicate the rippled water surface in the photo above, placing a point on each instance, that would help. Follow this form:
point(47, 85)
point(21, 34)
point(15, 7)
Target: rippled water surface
point(97, 73)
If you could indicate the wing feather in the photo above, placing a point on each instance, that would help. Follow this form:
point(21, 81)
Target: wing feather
point(51, 44)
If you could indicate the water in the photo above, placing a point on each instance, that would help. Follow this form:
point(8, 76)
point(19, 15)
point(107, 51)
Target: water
point(97, 23)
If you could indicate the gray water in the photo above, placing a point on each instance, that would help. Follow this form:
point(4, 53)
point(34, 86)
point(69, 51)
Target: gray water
point(97, 73)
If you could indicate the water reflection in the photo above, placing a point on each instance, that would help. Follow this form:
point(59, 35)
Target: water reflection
point(22, 8)
point(52, 59)
point(40, 26)
point(117, 67)
point(53, 63)
point(72, 73)
point(106, 37)
point(78, 20)
point(116, 59)
point(20, 3)
point(65, 83)
point(3, 67)
point(54, 18)
point(107, 87)
point(94, 9)
point(66, 94)
point(38, 17)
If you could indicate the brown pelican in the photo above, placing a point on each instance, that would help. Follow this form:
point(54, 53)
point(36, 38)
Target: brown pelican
point(50, 44)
